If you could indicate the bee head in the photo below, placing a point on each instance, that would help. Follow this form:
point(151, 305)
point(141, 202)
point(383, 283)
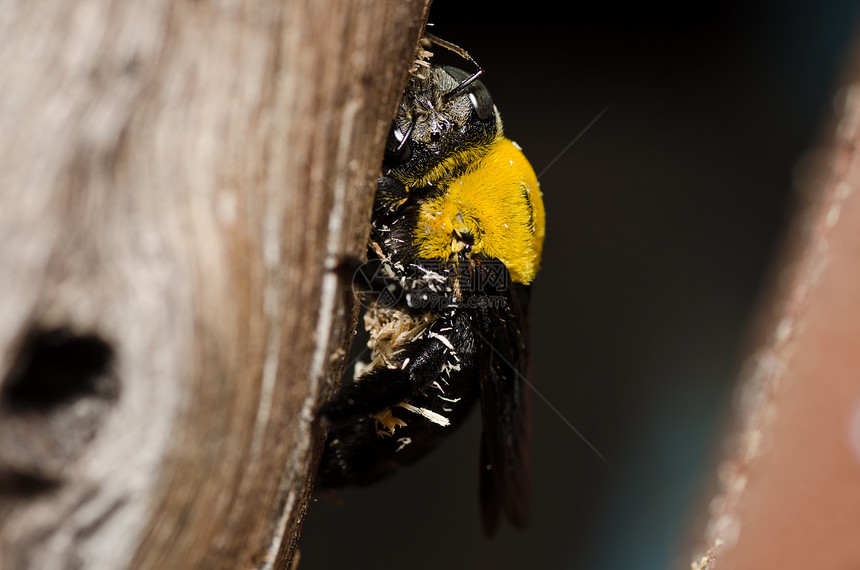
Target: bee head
point(440, 126)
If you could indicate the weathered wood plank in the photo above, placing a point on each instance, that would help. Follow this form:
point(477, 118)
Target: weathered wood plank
point(176, 181)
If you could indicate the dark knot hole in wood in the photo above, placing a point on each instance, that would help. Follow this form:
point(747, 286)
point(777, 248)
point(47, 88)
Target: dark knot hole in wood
point(55, 368)
point(56, 394)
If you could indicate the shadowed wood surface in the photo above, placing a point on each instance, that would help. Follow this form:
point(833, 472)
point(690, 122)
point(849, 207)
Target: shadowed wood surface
point(787, 485)
point(177, 180)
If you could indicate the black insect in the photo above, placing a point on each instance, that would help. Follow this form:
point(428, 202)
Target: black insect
point(456, 240)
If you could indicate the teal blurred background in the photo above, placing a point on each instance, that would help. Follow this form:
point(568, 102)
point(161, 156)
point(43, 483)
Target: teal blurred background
point(662, 220)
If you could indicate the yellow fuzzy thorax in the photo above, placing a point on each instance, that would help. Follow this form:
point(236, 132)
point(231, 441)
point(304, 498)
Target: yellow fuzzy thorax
point(499, 203)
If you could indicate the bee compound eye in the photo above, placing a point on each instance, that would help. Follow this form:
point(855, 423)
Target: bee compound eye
point(481, 102)
point(478, 94)
point(398, 148)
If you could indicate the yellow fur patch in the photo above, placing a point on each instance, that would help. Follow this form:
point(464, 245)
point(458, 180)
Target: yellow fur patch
point(457, 160)
point(499, 203)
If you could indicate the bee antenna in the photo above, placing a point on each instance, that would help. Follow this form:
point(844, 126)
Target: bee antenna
point(462, 53)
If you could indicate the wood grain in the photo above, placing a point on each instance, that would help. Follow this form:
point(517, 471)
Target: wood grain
point(787, 495)
point(177, 182)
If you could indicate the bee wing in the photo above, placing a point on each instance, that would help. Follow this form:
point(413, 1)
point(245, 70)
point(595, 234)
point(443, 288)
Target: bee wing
point(503, 373)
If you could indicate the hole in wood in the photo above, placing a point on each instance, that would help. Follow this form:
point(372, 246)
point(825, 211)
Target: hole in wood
point(57, 367)
point(53, 399)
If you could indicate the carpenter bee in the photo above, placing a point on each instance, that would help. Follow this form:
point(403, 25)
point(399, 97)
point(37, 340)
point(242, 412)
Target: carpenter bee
point(456, 240)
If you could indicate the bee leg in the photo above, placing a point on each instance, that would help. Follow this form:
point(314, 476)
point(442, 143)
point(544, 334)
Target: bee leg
point(420, 364)
point(370, 279)
point(431, 284)
point(382, 388)
point(355, 454)
point(374, 391)
point(425, 284)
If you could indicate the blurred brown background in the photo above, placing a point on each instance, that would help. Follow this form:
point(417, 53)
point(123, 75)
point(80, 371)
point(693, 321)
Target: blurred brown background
point(662, 219)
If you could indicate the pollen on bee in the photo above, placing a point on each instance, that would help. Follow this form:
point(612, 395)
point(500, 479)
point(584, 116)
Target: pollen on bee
point(441, 339)
point(426, 413)
point(387, 422)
